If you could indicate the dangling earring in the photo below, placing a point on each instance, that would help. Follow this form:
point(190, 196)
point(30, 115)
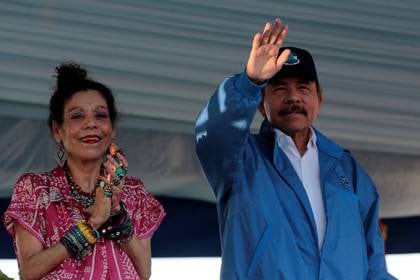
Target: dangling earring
point(60, 154)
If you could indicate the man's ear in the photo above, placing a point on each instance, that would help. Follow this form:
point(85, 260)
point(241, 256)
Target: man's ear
point(261, 105)
point(56, 131)
point(262, 109)
point(320, 98)
point(320, 101)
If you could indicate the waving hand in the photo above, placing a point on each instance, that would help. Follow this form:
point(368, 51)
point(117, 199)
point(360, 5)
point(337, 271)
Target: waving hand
point(264, 61)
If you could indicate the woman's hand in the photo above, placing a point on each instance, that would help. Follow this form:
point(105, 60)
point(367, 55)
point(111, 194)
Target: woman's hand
point(264, 60)
point(100, 211)
point(112, 165)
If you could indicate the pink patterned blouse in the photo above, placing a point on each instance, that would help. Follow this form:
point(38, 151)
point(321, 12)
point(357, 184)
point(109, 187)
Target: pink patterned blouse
point(43, 205)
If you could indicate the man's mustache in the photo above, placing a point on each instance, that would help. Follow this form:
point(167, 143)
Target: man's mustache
point(293, 108)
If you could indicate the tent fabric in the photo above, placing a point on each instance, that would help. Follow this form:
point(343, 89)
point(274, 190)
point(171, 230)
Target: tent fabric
point(163, 59)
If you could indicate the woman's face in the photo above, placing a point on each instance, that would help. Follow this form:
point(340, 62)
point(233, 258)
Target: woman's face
point(87, 129)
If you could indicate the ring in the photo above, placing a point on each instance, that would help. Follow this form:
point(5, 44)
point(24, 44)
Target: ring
point(120, 171)
point(108, 191)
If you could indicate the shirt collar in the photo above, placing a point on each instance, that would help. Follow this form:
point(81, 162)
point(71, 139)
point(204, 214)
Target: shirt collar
point(284, 140)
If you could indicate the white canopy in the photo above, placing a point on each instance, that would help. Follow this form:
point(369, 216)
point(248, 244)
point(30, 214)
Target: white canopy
point(163, 59)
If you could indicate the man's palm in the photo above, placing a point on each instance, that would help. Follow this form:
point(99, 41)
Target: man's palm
point(264, 60)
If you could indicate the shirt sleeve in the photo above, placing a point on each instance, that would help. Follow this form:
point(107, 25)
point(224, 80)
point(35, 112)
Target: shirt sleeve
point(26, 207)
point(146, 211)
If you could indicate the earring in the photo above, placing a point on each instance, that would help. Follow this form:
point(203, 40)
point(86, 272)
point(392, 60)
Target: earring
point(60, 154)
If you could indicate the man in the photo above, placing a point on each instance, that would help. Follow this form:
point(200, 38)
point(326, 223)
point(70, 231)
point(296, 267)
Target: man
point(292, 204)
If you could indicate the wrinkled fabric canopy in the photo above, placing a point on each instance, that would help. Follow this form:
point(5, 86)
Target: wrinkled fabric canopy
point(163, 59)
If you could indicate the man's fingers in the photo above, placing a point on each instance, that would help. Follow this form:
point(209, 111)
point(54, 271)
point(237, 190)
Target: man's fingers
point(281, 36)
point(267, 27)
point(256, 43)
point(282, 58)
point(266, 33)
point(275, 32)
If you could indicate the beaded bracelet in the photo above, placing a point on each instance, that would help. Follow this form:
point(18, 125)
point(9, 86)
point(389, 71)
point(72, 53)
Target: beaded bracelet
point(119, 227)
point(91, 234)
point(79, 239)
point(75, 243)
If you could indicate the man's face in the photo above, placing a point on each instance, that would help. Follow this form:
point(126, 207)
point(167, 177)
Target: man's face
point(291, 105)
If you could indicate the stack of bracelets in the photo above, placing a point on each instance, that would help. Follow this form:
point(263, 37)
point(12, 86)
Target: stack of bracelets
point(80, 238)
point(118, 227)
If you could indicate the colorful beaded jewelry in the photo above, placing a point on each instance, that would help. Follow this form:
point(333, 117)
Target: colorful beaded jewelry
point(119, 227)
point(79, 239)
point(84, 198)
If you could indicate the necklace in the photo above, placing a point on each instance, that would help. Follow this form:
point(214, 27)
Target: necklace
point(84, 198)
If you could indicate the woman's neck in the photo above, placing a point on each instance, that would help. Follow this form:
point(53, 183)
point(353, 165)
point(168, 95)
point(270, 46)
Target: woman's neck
point(85, 174)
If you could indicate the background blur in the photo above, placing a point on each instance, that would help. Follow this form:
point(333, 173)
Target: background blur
point(163, 59)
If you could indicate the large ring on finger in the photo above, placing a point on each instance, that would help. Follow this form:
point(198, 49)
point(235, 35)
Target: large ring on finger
point(108, 191)
point(120, 171)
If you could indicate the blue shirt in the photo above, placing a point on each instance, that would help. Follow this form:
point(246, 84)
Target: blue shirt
point(266, 223)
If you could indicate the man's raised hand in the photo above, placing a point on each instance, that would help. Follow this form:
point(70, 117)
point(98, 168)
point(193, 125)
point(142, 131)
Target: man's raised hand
point(264, 61)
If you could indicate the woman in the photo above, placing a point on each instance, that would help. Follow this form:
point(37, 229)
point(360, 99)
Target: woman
point(84, 219)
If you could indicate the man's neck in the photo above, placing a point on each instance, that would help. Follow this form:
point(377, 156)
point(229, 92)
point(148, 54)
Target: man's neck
point(301, 139)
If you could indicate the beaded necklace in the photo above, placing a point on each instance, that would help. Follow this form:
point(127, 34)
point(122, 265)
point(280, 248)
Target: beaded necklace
point(84, 198)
